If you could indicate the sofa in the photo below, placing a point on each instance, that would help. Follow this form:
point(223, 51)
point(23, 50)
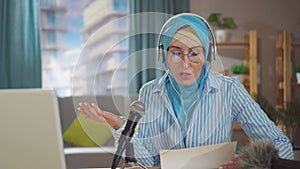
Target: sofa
point(95, 156)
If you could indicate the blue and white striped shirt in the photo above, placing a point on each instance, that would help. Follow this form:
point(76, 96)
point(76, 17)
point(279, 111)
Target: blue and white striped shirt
point(223, 102)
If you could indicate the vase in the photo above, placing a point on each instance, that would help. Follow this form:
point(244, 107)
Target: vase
point(298, 77)
point(241, 77)
point(222, 35)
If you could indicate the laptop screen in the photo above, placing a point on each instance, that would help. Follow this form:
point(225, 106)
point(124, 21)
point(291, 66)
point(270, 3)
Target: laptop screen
point(30, 130)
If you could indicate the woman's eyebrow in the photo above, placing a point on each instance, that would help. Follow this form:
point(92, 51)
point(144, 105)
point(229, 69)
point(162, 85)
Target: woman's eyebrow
point(177, 47)
point(174, 47)
point(199, 46)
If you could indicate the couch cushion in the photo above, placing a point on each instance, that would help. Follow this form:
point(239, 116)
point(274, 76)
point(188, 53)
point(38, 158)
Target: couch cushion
point(86, 132)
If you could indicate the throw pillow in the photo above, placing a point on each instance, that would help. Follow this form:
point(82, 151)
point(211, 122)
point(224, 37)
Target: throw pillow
point(84, 132)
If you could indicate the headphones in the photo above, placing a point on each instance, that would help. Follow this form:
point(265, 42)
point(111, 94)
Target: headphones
point(212, 47)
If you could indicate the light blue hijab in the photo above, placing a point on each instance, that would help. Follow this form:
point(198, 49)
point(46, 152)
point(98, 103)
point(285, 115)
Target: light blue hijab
point(184, 98)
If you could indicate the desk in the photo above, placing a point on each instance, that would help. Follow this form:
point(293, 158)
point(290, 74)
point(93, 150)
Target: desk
point(125, 168)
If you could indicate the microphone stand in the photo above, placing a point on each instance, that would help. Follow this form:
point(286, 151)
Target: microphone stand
point(129, 157)
point(137, 110)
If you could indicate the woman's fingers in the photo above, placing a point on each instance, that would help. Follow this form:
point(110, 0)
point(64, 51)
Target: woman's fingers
point(97, 110)
point(233, 164)
point(113, 120)
point(229, 166)
point(85, 110)
point(91, 112)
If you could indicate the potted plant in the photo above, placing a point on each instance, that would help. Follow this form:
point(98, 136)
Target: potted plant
point(240, 71)
point(296, 69)
point(222, 24)
point(269, 109)
point(288, 117)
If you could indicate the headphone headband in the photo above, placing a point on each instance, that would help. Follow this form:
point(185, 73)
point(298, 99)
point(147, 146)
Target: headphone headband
point(212, 46)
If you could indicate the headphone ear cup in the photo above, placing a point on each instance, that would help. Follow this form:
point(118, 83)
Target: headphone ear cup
point(209, 53)
point(161, 55)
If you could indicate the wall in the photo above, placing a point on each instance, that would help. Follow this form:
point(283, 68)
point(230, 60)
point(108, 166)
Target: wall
point(268, 17)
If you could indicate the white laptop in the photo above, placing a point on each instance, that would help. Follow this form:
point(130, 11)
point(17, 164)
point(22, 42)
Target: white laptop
point(30, 133)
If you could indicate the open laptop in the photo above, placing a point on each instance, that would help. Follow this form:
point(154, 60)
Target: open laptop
point(30, 133)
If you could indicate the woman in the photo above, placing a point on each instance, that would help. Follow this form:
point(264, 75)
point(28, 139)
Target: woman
point(190, 105)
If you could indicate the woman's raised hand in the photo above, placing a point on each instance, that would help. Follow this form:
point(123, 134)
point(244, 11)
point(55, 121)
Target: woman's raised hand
point(92, 111)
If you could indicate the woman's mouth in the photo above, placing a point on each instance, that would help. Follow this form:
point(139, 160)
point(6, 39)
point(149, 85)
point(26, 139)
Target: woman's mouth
point(185, 76)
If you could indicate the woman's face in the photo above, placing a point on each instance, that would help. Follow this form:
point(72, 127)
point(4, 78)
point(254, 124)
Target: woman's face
point(186, 56)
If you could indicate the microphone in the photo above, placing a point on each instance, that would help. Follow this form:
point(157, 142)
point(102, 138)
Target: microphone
point(258, 154)
point(137, 110)
point(264, 155)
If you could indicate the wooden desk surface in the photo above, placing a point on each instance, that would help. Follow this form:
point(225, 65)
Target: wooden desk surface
point(126, 168)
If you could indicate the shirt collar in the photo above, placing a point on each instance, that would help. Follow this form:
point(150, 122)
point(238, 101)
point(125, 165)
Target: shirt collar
point(161, 87)
point(212, 83)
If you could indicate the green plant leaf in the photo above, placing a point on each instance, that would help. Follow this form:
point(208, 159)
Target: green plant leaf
point(213, 18)
point(290, 117)
point(234, 69)
point(239, 69)
point(229, 23)
point(270, 110)
point(243, 69)
point(296, 68)
point(217, 20)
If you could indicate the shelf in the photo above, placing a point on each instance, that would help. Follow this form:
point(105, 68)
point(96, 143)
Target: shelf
point(295, 43)
point(232, 43)
point(296, 84)
point(283, 64)
point(250, 59)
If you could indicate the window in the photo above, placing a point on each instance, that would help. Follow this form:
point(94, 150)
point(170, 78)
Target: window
point(75, 55)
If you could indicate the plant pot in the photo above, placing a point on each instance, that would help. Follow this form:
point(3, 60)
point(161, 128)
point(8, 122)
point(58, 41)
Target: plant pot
point(298, 77)
point(222, 35)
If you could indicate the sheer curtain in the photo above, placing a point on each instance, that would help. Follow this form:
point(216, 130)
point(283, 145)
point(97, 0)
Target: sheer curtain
point(147, 18)
point(20, 55)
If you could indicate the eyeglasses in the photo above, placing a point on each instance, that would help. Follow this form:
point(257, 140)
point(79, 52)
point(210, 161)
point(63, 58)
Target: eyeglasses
point(195, 54)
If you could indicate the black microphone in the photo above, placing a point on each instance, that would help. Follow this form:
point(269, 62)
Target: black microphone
point(264, 155)
point(137, 110)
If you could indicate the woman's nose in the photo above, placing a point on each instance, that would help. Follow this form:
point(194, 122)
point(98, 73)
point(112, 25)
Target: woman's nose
point(186, 60)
